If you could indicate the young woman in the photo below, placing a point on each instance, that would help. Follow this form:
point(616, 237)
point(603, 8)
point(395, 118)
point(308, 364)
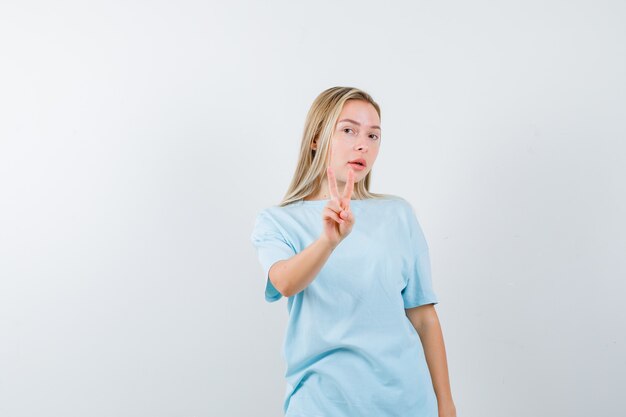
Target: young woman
point(363, 337)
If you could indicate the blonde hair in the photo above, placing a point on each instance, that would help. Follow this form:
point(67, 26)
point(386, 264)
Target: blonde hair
point(320, 123)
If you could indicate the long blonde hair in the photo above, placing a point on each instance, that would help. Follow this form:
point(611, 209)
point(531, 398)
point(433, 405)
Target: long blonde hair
point(320, 123)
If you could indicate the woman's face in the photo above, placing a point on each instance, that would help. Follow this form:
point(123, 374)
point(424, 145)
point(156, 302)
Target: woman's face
point(356, 136)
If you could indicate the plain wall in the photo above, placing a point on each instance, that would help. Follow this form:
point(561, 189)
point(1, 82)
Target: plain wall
point(138, 140)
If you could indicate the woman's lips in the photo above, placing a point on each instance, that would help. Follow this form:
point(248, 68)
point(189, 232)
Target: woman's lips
point(356, 166)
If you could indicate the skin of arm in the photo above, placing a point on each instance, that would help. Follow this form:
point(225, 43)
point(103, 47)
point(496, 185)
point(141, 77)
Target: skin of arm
point(426, 322)
point(290, 276)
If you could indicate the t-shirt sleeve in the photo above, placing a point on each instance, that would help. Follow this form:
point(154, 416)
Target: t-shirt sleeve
point(271, 247)
point(419, 289)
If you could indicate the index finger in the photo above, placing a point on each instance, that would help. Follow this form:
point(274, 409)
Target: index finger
point(332, 184)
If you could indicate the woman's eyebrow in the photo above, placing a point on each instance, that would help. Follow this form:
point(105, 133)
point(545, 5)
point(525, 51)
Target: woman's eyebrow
point(357, 123)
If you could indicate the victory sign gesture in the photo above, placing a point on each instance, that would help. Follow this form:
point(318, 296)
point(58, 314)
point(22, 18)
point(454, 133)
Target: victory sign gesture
point(337, 217)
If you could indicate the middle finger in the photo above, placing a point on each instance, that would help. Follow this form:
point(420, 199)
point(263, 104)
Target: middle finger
point(347, 189)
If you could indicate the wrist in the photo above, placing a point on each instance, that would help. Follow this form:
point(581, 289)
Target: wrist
point(325, 243)
point(446, 404)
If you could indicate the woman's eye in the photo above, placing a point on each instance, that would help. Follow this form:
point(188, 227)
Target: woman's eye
point(346, 128)
point(374, 136)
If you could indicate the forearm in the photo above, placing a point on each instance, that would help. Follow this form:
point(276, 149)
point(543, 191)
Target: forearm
point(290, 276)
point(435, 352)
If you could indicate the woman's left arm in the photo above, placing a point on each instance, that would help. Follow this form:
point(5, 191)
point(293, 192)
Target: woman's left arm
point(426, 322)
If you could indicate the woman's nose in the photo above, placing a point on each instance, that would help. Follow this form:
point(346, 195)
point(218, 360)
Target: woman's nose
point(361, 143)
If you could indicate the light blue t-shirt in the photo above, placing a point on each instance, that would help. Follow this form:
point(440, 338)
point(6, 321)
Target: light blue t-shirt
point(349, 346)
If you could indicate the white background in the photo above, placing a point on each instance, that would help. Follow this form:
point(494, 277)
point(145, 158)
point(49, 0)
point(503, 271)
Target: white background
point(138, 140)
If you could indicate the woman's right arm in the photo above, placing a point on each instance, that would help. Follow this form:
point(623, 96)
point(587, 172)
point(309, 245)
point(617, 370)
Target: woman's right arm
point(290, 276)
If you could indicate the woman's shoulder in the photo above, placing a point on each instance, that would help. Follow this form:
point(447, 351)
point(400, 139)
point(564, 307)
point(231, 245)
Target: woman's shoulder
point(402, 207)
point(393, 199)
point(299, 205)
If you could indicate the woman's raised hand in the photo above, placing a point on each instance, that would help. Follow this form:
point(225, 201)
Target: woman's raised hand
point(337, 217)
